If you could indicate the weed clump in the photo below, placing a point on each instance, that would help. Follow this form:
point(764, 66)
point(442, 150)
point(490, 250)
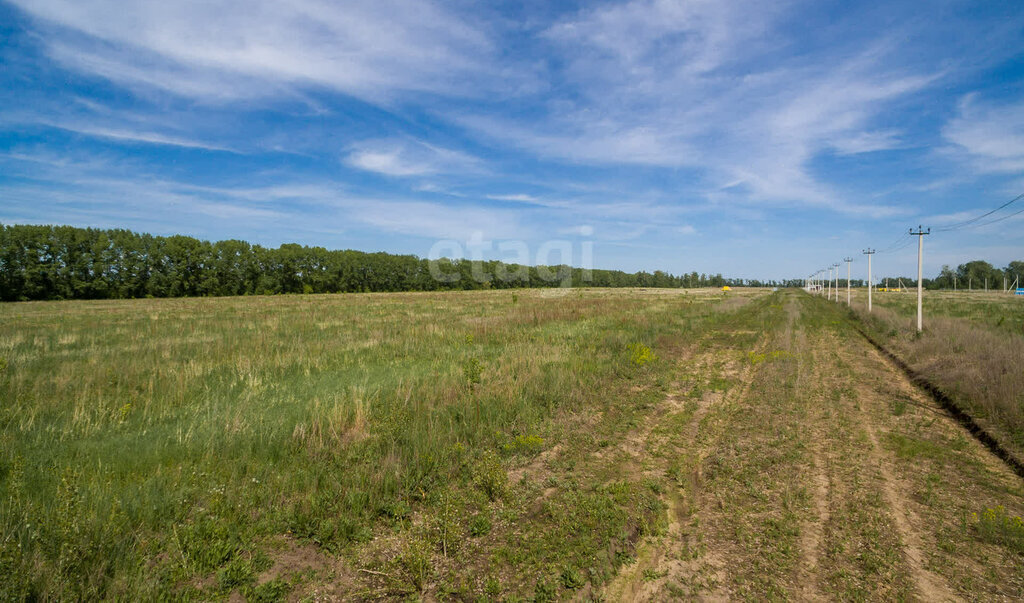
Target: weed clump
point(759, 357)
point(415, 560)
point(472, 370)
point(572, 578)
point(996, 526)
point(523, 444)
point(640, 355)
point(490, 476)
point(446, 525)
point(480, 525)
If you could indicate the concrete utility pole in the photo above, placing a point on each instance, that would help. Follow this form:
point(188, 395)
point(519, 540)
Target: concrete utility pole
point(847, 260)
point(920, 252)
point(836, 266)
point(869, 252)
point(828, 292)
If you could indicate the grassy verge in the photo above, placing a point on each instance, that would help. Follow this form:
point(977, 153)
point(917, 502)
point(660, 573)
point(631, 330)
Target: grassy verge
point(976, 364)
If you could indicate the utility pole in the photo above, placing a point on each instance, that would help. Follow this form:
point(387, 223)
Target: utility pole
point(869, 252)
point(836, 266)
point(920, 252)
point(828, 292)
point(848, 260)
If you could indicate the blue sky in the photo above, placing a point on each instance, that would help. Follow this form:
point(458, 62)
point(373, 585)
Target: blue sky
point(755, 139)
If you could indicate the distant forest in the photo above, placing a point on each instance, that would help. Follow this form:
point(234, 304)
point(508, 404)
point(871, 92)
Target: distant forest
point(65, 262)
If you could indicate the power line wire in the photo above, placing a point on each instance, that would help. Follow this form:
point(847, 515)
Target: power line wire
point(898, 244)
point(904, 245)
point(965, 223)
point(1000, 219)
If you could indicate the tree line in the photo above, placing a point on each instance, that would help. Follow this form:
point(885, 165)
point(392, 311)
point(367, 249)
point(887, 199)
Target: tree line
point(976, 275)
point(66, 262)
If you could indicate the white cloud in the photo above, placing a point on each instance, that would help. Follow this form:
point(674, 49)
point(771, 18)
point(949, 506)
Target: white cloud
point(866, 142)
point(518, 197)
point(991, 135)
point(398, 157)
point(217, 49)
point(686, 85)
point(136, 136)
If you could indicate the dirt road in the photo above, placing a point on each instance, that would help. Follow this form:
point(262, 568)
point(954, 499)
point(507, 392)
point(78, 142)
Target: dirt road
point(809, 468)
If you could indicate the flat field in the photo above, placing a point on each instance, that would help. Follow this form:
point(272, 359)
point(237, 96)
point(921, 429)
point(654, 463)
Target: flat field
point(993, 309)
point(501, 445)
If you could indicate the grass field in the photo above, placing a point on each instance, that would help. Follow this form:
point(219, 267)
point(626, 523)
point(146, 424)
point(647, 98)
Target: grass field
point(992, 309)
point(503, 445)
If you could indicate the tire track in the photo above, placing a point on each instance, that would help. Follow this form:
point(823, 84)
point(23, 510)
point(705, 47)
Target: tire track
point(680, 556)
point(930, 586)
point(812, 534)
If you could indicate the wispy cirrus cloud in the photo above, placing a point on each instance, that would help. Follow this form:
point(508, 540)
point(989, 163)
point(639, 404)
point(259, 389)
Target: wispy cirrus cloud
point(242, 48)
point(403, 158)
point(682, 85)
point(139, 136)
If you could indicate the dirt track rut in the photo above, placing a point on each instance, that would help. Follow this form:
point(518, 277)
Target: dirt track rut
point(811, 469)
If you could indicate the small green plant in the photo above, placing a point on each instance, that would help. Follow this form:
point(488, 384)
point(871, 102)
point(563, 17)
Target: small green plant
point(237, 573)
point(640, 355)
point(651, 574)
point(446, 525)
point(415, 560)
point(492, 586)
point(125, 411)
point(572, 578)
point(523, 444)
point(997, 526)
point(490, 476)
point(480, 525)
point(544, 591)
point(472, 370)
point(269, 592)
point(3, 364)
